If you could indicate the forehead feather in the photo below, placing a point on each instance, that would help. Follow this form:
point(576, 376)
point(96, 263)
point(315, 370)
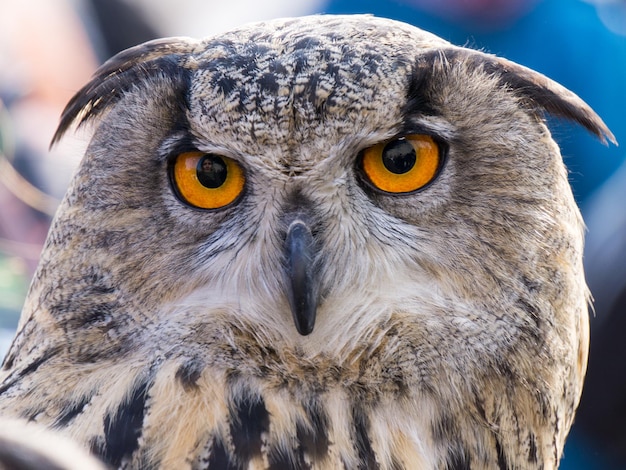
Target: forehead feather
point(287, 78)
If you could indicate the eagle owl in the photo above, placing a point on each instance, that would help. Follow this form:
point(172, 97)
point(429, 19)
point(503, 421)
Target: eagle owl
point(325, 242)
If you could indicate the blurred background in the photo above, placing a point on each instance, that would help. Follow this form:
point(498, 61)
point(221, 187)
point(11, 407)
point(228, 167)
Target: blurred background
point(49, 49)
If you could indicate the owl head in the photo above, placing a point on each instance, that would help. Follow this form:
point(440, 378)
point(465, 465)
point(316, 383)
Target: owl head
point(303, 164)
point(341, 195)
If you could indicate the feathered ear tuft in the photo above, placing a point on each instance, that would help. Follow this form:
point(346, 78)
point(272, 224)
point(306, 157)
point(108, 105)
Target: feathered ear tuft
point(161, 57)
point(544, 93)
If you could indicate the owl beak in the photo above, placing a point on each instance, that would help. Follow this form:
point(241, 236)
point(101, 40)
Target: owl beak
point(302, 283)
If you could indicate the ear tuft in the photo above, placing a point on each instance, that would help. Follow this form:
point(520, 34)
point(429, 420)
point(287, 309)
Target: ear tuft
point(545, 94)
point(160, 58)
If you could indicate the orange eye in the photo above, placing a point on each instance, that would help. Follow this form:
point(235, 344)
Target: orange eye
point(207, 180)
point(402, 165)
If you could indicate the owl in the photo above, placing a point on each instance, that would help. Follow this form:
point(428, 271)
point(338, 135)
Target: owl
point(322, 242)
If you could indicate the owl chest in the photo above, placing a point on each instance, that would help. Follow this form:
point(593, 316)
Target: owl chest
point(215, 402)
point(262, 411)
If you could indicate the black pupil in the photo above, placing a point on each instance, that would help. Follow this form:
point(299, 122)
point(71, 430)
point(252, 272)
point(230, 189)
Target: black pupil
point(399, 156)
point(211, 171)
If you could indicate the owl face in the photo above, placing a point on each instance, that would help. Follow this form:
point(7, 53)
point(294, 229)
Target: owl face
point(344, 194)
point(300, 118)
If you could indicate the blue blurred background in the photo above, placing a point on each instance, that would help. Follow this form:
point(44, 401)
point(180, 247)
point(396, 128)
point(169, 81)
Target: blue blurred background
point(49, 48)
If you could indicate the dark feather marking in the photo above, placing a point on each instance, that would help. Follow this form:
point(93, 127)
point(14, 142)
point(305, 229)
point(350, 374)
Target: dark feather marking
point(543, 93)
point(13, 352)
point(365, 453)
point(95, 444)
point(123, 427)
point(533, 314)
point(32, 412)
point(16, 377)
point(95, 301)
point(395, 465)
point(189, 373)
point(418, 90)
point(459, 459)
point(33, 366)
point(502, 464)
point(220, 459)
point(159, 58)
point(314, 438)
point(532, 451)
point(505, 369)
point(70, 412)
point(279, 459)
point(444, 429)
point(249, 419)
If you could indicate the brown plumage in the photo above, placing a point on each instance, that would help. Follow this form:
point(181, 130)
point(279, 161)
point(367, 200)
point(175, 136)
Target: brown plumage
point(304, 311)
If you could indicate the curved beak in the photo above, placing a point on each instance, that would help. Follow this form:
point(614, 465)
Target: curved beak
point(302, 290)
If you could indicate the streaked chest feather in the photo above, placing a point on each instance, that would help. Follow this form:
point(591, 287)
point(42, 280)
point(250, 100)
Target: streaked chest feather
point(182, 417)
point(243, 405)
